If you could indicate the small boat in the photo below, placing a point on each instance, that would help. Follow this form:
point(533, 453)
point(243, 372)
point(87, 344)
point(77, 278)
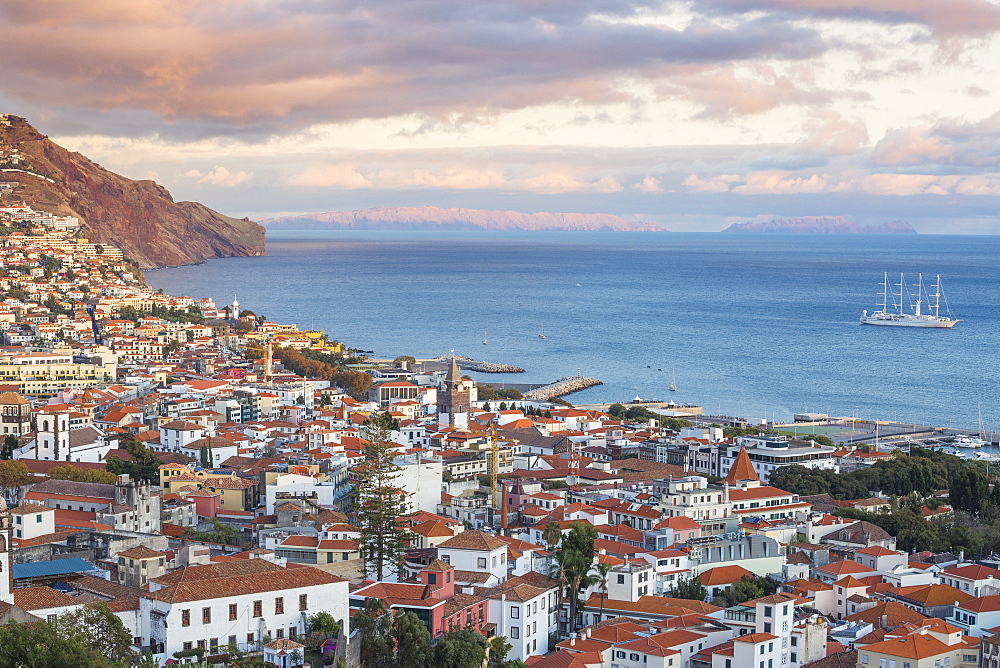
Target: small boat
point(485, 341)
point(964, 441)
point(541, 333)
point(673, 380)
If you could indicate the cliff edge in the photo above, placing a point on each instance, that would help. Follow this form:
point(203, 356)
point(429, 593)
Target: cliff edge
point(140, 217)
point(820, 225)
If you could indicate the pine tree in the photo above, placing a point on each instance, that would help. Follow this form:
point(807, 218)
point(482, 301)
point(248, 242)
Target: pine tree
point(379, 502)
point(413, 641)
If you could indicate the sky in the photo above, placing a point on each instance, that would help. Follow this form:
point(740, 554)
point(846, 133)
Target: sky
point(693, 114)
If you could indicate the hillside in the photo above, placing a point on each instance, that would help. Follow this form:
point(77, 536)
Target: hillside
point(820, 225)
point(434, 218)
point(140, 217)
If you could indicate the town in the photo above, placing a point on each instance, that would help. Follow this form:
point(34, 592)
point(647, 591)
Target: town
point(207, 486)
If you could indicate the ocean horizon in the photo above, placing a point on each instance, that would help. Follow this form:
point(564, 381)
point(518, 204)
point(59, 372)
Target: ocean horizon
point(757, 325)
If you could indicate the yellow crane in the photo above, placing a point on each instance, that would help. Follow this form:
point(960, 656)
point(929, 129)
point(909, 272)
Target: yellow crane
point(494, 465)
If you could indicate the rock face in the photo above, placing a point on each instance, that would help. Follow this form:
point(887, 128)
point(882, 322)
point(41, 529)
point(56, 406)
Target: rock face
point(140, 217)
point(821, 225)
point(434, 218)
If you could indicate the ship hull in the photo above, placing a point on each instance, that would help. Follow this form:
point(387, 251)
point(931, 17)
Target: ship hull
point(934, 323)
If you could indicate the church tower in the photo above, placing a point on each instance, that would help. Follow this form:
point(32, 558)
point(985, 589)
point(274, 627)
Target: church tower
point(459, 393)
point(52, 437)
point(6, 556)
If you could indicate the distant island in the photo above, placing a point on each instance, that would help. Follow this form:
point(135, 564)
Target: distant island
point(436, 218)
point(820, 225)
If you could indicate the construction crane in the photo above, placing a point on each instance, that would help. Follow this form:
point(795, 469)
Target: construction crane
point(494, 465)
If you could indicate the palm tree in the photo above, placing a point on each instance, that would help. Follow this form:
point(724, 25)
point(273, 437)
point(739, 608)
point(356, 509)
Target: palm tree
point(578, 578)
point(602, 568)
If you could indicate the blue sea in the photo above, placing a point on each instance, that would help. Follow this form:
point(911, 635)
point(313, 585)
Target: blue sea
point(754, 325)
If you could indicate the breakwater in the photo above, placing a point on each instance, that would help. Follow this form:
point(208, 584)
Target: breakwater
point(562, 387)
point(469, 364)
point(489, 367)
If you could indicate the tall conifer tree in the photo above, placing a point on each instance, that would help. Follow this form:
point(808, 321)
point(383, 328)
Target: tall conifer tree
point(379, 502)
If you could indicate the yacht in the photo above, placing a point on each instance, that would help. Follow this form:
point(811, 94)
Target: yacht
point(894, 312)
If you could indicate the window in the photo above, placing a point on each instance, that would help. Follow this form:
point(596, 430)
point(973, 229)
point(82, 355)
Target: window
point(906, 664)
point(864, 658)
point(432, 578)
point(729, 663)
point(249, 638)
point(279, 605)
point(515, 611)
point(795, 658)
point(446, 558)
point(206, 615)
point(185, 618)
point(213, 643)
point(232, 640)
point(621, 579)
point(232, 613)
point(761, 649)
point(258, 608)
point(767, 627)
point(481, 562)
point(281, 633)
point(515, 632)
point(303, 601)
point(633, 656)
point(188, 645)
point(767, 611)
point(795, 641)
point(620, 654)
point(882, 662)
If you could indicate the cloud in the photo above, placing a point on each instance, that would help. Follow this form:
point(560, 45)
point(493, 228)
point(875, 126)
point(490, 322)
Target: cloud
point(911, 146)
point(330, 176)
point(954, 18)
point(220, 176)
point(233, 67)
point(649, 184)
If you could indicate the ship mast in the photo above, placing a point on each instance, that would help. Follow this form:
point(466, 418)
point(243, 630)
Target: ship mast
point(920, 293)
point(885, 292)
point(937, 298)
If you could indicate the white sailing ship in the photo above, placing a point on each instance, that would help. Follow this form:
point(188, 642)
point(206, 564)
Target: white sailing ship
point(895, 311)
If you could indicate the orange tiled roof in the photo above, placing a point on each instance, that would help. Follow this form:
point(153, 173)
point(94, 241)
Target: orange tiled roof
point(742, 469)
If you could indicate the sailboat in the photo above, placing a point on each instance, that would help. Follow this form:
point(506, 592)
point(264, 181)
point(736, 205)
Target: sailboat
point(485, 341)
point(541, 333)
point(673, 380)
point(894, 313)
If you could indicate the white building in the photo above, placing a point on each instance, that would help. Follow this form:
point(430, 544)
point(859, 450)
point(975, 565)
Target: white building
point(522, 616)
point(475, 551)
point(239, 602)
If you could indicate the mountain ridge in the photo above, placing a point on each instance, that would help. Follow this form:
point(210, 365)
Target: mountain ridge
point(432, 217)
point(138, 216)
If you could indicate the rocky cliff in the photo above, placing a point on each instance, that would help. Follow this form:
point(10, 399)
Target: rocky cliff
point(821, 225)
point(140, 217)
point(431, 218)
